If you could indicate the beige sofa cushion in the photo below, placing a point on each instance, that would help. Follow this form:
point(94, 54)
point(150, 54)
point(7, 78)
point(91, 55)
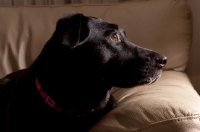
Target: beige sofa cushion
point(169, 105)
point(161, 25)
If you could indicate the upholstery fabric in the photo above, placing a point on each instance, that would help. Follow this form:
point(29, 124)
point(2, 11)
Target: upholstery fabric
point(169, 105)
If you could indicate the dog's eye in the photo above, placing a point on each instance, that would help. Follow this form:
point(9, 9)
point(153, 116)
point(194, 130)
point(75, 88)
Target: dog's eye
point(114, 37)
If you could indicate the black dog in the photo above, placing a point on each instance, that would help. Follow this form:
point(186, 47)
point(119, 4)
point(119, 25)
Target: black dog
point(69, 86)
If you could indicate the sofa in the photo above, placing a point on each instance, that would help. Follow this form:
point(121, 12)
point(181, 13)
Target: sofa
point(171, 104)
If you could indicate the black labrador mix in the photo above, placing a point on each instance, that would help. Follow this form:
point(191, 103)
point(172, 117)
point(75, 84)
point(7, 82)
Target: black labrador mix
point(68, 88)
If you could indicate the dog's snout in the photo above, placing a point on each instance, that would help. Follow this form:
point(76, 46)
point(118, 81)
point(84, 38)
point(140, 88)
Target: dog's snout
point(161, 60)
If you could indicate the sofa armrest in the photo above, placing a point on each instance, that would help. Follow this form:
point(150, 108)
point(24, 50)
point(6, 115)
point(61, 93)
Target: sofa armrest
point(170, 104)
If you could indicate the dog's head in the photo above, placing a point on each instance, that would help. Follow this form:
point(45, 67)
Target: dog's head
point(92, 50)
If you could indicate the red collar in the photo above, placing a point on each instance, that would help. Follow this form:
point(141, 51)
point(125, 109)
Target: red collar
point(46, 97)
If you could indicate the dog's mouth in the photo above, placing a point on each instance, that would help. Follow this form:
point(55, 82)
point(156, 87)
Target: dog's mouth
point(131, 82)
point(152, 80)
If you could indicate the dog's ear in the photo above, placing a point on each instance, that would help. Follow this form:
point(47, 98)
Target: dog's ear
point(72, 30)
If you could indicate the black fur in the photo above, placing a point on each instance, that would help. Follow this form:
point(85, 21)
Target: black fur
point(77, 68)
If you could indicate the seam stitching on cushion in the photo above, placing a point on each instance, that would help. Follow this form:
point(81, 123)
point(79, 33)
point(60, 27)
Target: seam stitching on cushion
point(195, 116)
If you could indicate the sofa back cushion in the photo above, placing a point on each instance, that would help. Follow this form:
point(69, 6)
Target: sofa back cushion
point(161, 25)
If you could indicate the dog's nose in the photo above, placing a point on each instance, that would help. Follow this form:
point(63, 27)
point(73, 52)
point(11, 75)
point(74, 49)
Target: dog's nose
point(161, 60)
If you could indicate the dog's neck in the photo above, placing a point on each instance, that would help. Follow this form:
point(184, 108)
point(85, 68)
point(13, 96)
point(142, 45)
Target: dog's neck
point(49, 100)
point(74, 85)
